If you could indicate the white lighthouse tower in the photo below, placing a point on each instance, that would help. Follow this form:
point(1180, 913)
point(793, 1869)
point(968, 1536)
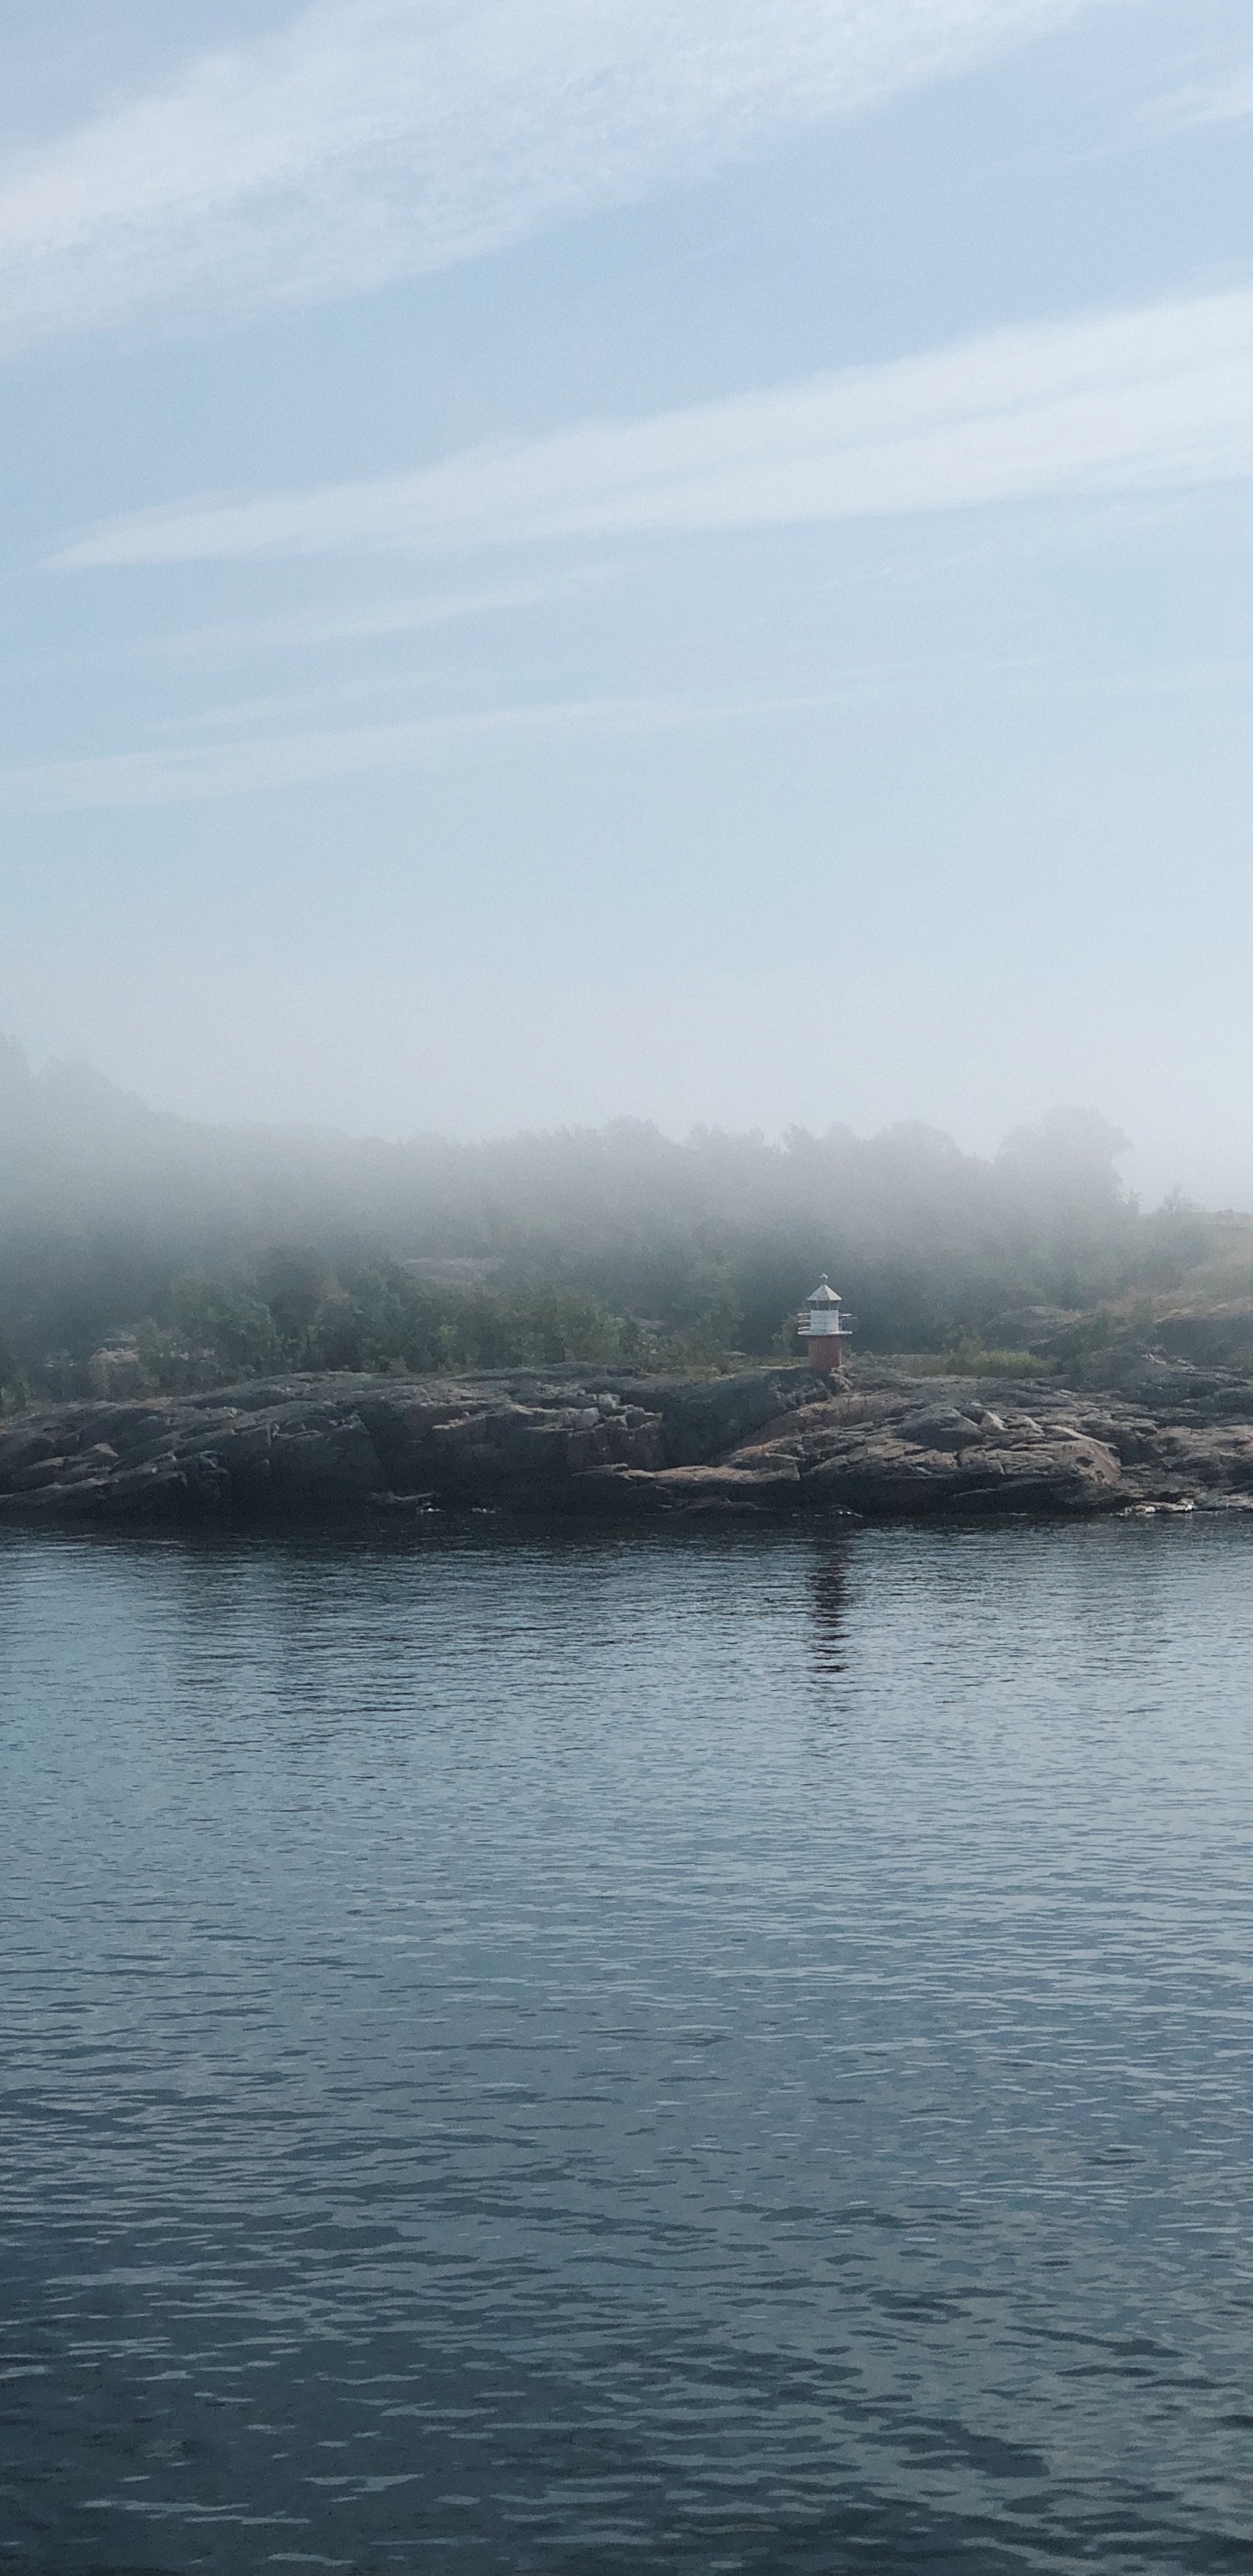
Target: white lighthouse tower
point(824, 1328)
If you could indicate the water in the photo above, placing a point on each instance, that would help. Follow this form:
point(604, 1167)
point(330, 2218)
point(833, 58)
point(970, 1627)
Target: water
point(701, 2052)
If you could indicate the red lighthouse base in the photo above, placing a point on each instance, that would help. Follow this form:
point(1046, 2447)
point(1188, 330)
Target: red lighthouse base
point(825, 1354)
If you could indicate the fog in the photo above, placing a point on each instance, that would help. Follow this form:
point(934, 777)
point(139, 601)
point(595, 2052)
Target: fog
point(193, 1252)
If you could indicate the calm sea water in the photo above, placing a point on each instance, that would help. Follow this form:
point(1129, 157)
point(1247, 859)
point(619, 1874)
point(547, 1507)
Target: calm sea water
point(702, 2052)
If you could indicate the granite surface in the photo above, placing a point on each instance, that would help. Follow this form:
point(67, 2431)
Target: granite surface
point(774, 1440)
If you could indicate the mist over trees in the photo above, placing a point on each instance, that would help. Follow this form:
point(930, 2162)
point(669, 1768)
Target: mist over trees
point(222, 1252)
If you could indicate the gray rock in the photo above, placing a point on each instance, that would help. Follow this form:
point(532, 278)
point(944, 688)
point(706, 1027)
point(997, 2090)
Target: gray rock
point(770, 1440)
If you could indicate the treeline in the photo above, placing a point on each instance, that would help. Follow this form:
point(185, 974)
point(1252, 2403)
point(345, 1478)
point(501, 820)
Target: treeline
point(226, 1253)
point(291, 1313)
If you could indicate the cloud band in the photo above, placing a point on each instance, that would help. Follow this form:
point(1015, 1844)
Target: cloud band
point(1135, 401)
point(377, 139)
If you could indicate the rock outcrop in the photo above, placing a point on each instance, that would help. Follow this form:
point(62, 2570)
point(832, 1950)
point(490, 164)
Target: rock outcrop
point(770, 1441)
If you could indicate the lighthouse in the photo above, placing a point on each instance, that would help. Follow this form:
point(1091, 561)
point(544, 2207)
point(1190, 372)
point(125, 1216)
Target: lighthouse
point(824, 1328)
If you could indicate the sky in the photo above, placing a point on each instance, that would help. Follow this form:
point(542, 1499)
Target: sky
point(684, 559)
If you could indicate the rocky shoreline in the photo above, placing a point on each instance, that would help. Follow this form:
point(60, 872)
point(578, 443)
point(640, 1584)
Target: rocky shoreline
point(770, 1441)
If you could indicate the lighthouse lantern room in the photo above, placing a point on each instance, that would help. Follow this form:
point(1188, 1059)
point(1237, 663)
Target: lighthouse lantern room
point(824, 1328)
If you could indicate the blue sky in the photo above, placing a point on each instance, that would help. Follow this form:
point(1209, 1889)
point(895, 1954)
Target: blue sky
point(576, 559)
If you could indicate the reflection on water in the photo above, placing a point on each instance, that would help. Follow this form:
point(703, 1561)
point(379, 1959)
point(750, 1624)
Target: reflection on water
point(828, 1597)
point(491, 2083)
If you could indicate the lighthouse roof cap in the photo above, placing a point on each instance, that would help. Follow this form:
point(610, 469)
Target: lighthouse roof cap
point(824, 1294)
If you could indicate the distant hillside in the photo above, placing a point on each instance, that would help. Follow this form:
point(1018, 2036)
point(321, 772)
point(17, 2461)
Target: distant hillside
point(319, 1248)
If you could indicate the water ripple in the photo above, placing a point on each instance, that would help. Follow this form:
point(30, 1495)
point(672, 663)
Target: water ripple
point(697, 2052)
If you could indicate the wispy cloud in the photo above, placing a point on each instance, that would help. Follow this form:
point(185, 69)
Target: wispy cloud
point(1139, 401)
point(253, 765)
point(376, 139)
point(1226, 101)
point(261, 753)
point(313, 630)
